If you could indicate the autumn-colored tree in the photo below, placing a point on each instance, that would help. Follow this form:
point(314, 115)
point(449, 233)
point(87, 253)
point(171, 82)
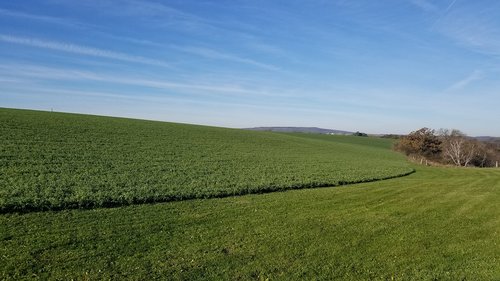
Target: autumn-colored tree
point(422, 143)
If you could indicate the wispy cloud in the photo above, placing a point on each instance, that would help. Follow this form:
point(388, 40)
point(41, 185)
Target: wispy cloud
point(32, 74)
point(459, 85)
point(78, 49)
point(77, 24)
point(431, 7)
point(443, 14)
point(160, 16)
point(214, 54)
point(424, 5)
point(44, 18)
point(450, 6)
point(172, 103)
point(146, 11)
point(472, 25)
point(49, 73)
point(478, 35)
point(266, 48)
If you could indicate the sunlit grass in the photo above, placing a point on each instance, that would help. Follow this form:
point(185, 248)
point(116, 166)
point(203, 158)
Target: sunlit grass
point(57, 161)
point(436, 224)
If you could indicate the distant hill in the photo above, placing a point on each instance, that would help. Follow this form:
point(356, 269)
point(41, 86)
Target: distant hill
point(314, 130)
point(488, 139)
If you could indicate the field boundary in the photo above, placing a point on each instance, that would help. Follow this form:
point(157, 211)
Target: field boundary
point(115, 204)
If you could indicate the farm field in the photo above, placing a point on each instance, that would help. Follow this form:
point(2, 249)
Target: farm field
point(58, 169)
point(435, 224)
point(249, 140)
point(59, 161)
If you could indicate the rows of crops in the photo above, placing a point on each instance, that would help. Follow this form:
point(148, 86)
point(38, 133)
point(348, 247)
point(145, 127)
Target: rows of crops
point(57, 161)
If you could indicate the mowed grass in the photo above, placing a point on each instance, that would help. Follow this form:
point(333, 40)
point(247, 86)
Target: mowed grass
point(58, 161)
point(436, 224)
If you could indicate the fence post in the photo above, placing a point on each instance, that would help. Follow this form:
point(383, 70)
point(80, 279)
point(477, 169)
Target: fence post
point(496, 164)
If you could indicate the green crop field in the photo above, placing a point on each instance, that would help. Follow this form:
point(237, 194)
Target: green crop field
point(365, 141)
point(57, 161)
point(434, 224)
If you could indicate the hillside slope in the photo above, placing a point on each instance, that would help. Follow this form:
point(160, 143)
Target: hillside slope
point(57, 160)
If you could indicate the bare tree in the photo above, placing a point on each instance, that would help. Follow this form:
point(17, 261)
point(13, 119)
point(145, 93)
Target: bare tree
point(457, 148)
point(486, 155)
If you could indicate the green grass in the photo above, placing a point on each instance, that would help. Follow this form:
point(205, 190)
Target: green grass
point(436, 224)
point(58, 161)
point(347, 139)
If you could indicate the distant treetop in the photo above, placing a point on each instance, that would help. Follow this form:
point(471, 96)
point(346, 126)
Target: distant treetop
point(359, 134)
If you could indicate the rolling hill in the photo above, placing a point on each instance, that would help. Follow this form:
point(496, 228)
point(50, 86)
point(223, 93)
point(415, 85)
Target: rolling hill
point(54, 161)
point(435, 224)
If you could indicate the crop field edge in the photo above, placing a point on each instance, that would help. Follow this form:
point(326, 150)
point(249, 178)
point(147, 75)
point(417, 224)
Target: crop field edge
point(166, 199)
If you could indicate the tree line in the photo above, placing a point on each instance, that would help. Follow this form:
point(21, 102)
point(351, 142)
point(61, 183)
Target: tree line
point(449, 147)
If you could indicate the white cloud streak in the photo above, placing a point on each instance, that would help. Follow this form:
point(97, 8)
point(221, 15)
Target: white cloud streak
point(213, 54)
point(472, 26)
point(424, 5)
point(48, 73)
point(43, 18)
point(78, 49)
point(450, 6)
point(459, 85)
point(35, 74)
point(76, 24)
point(152, 13)
point(150, 99)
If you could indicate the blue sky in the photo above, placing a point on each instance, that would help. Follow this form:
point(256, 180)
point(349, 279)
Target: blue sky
point(389, 66)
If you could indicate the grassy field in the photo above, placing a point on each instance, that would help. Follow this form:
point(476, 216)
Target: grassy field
point(58, 161)
point(347, 139)
point(436, 224)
